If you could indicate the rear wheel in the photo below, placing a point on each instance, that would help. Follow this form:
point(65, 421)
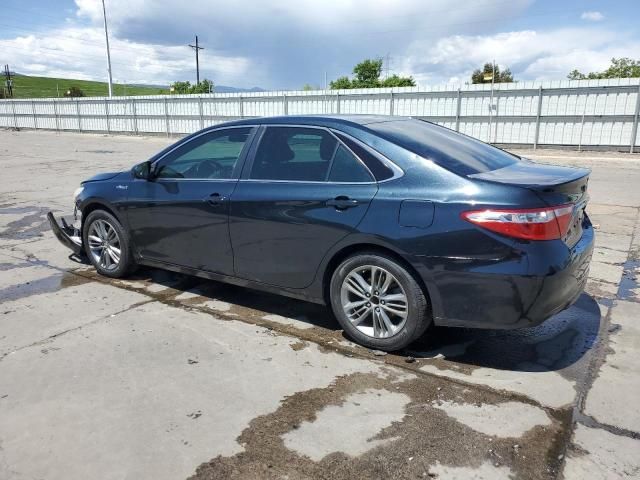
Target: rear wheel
point(378, 302)
point(107, 245)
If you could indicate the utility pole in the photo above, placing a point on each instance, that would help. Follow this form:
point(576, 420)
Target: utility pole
point(106, 35)
point(493, 77)
point(196, 47)
point(387, 65)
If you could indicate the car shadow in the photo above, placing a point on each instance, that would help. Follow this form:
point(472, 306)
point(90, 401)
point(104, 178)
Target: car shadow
point(558, 344)
point(242, 300)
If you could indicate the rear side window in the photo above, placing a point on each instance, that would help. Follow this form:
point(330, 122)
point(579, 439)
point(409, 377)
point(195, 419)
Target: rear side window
point(452, 150)
point(347, 168)
point(379, 169)
point(294, 153)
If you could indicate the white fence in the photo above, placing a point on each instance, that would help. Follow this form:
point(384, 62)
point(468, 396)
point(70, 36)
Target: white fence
point(586, 113)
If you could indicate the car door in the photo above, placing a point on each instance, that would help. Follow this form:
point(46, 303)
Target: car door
point(303, 192)
point(180, 216)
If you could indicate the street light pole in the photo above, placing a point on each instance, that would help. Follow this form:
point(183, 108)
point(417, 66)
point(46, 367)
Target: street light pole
point(106, 35)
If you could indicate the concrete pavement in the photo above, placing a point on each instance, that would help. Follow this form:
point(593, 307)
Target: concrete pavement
point(166, 376)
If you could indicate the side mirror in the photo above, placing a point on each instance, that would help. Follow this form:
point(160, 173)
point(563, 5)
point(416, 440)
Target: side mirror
point(142, 170)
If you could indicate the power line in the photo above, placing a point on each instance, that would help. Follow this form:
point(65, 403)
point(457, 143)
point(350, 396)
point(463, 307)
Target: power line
point(197, 48)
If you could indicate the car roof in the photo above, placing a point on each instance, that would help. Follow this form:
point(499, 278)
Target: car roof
point(315, 120)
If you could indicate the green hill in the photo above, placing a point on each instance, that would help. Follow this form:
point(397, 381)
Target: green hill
point(44, 87)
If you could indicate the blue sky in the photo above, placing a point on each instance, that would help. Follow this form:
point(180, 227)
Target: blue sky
point(283, 44)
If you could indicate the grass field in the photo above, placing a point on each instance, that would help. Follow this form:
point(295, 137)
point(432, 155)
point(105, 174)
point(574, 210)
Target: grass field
point(45, 87)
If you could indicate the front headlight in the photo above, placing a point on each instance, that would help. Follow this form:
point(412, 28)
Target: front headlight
point(77, 192)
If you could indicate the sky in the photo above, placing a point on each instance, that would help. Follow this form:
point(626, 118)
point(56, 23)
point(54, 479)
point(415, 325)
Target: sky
point(285, 44)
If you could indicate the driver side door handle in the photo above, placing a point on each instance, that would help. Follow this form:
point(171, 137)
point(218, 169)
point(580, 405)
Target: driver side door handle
point(215, 199)
point(342, 202)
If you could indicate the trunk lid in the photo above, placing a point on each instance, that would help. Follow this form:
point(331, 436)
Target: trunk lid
point(554, 184)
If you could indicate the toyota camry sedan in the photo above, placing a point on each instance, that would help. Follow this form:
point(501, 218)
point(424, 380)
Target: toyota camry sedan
point(394, 223)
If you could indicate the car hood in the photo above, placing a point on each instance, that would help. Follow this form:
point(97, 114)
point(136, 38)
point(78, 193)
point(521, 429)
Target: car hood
point(101, 176)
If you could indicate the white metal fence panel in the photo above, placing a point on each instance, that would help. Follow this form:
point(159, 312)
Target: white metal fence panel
point(575, 113)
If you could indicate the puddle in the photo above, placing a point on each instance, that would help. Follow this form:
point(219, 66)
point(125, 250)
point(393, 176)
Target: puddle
point(629, 288)
point(32, 224)
point(48, 284)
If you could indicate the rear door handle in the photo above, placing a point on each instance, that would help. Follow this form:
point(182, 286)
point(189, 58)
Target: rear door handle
point(215, 199)
point(342, 202)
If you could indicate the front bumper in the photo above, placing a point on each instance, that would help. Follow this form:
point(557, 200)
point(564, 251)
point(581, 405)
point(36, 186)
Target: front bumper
point(67, 233)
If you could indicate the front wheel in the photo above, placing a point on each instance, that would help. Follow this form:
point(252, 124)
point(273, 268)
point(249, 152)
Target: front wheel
point(378, 302)
point(107, 245)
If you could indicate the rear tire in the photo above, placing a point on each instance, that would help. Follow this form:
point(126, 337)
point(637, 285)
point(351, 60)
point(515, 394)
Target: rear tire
point(107, 245)
point(378, 302)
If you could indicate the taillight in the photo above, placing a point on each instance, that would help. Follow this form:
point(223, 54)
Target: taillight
point(548, 223)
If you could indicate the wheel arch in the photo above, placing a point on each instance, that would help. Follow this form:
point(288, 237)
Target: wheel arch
point(348, 250)
point(95, 204)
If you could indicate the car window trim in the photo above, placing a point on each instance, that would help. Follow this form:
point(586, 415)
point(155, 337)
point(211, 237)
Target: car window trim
point(248, 165)
point(237, 167)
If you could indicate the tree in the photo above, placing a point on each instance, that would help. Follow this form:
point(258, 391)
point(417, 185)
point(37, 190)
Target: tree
point(396, 81)
point(341, 83)
point(185, 88)
point(623, 67)
point(73, 92)
point(367, 75)
point(478, 75)
point(307, 87)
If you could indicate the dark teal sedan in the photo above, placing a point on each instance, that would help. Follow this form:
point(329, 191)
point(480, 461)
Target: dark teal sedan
point(396, 223)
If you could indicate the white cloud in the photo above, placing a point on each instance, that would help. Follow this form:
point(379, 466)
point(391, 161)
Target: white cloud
point(283, 44)
point(292, 43)
point(531, 55)
point(592, 16)
point(80, 52)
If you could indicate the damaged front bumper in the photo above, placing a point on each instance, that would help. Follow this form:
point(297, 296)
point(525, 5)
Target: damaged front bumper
point(67, 231)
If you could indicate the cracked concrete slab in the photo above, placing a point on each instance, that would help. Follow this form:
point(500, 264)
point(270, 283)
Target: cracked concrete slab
point(547, 387)
point(507, 419)
point(620, 373)
point(605, 272)
point(350, 427)
point(613, 241)
point(485, 471)
point(601, 454)
point(159, 389)
point(35, 318)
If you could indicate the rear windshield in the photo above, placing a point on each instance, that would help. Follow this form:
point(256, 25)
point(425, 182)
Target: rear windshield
point(454, 151)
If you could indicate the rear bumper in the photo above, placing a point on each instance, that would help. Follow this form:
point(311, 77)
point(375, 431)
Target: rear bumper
point(551, 282)
point(66, 233)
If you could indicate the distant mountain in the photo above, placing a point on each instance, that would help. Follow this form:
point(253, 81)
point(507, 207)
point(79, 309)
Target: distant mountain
point(217, 88)
point(226, 89)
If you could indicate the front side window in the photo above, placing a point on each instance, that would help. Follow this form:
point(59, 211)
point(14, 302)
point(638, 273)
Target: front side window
point(211, 156)
point(294, 153)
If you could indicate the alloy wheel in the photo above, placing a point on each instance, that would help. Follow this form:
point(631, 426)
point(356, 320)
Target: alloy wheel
point(374, 301)
point(104, 244)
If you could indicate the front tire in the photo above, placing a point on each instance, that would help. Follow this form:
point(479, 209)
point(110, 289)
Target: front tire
point(107, 245)
point(378, 302)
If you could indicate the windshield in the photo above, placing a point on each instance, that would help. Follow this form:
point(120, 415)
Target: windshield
point(454, 151)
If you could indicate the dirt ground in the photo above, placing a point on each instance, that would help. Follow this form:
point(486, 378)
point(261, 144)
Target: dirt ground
point(167, 376)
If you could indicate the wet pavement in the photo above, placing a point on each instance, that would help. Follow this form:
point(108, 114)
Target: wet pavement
point(168, 376)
